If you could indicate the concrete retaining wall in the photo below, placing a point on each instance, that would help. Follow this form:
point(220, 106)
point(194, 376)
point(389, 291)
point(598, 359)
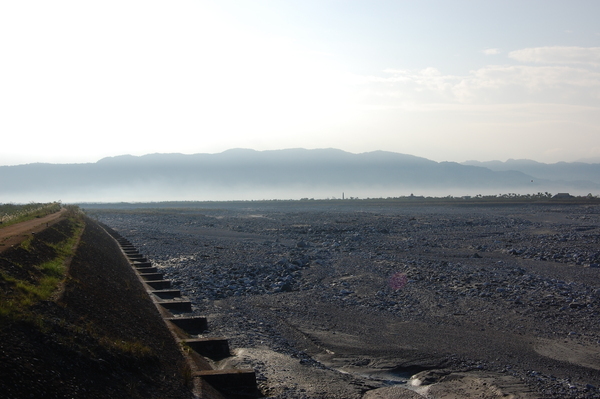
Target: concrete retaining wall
point(188, 330)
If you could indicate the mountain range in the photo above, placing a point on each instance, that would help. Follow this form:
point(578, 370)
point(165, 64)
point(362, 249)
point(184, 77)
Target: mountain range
point(241, 174)
point(561, 171)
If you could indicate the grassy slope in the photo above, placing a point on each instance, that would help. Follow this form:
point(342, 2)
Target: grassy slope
point(91, 332)
point(11, 214)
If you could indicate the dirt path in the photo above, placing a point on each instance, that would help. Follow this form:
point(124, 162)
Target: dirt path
point(14, 234)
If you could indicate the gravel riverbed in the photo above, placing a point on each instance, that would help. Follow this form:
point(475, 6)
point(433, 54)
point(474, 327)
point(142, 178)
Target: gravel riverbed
point(329, 302)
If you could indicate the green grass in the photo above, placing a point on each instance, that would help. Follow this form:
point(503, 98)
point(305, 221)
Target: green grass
point(131, 348)
point(19, 295)
point(26, 243)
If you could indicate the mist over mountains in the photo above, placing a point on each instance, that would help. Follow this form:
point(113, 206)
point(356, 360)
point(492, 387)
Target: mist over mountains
point(241, 174)
point(561, 171)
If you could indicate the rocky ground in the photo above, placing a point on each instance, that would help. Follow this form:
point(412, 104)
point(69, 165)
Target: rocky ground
point(352, 302)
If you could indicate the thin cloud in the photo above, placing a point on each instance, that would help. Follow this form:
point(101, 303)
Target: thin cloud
point(488, 85)
point(558, 55)
point(534, 77)
point(491, 51)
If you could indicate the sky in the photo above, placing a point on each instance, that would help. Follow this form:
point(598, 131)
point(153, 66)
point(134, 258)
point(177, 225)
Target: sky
point(451, 80)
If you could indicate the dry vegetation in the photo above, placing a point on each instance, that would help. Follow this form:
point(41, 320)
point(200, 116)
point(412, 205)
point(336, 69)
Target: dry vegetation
point(11, 214)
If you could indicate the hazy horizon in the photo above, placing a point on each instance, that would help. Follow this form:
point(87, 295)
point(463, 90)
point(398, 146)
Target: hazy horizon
point(137, 196)
point(466, 161)
point(444, 80)
point(285, 174)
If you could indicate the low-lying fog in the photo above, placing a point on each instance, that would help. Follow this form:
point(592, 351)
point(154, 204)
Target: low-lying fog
point(152, 193)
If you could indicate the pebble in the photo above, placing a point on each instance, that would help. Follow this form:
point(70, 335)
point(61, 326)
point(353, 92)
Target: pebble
point(280, 256)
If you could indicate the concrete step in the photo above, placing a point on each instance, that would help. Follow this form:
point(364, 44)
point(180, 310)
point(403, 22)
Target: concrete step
point(167, 294)
point(180, 305)
point(191, 325)
point(159, 284)
point(150, 269)
point(213, 348)
point(233, 383)
point(152, 276)
point(140, 259)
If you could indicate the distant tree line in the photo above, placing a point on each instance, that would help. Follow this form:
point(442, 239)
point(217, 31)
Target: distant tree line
point(545, 196)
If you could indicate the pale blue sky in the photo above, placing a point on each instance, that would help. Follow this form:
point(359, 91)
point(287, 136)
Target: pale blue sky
point(446, 80)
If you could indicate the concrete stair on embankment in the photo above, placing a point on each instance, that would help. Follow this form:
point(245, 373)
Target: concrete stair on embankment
point(187, 329)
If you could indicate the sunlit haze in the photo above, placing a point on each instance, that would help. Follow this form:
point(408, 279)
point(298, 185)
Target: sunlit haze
point(444, 80)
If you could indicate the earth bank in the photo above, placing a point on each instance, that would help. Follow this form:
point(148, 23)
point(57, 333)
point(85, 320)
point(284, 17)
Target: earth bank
point(99, 337)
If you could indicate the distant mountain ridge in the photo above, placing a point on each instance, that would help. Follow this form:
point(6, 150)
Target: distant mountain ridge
point(561, 171)
point(277, 174)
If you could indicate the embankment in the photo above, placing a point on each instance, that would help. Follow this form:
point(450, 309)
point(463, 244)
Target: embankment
point(99, 337)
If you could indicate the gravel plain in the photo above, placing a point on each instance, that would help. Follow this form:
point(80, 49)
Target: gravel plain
point(360, 301)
